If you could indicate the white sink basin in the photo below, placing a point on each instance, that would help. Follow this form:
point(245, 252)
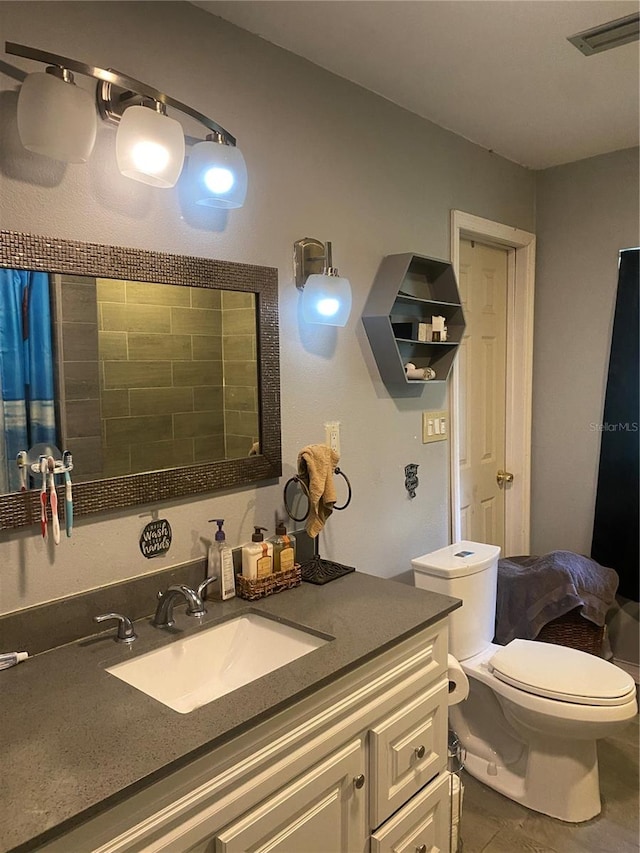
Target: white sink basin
point(189, 673)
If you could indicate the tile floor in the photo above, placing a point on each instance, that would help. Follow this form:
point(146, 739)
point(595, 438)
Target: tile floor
point(493, 824)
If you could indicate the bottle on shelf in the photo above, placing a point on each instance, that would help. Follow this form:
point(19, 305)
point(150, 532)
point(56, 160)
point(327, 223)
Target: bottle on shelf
point(284, 549)
point(257, 556)
point(220, 565)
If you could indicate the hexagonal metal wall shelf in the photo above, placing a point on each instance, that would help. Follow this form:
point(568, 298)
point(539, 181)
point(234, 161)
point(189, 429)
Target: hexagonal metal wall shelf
point(409, 290)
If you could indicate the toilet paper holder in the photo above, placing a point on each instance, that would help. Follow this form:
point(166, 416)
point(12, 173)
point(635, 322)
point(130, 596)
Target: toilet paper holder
point(458, 681)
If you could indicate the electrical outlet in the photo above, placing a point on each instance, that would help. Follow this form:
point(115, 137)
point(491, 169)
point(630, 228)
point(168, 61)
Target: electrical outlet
point(332, 435)
point(435, 426)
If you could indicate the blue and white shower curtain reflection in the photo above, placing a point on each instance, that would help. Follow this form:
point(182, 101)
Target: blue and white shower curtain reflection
point(26, 369)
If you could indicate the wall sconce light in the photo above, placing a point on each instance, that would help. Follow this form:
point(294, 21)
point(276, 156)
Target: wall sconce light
point(58, 119)
point(326, 296)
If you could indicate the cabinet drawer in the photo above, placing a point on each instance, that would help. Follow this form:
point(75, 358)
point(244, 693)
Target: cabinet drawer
point(423, 824)
point(407, 749)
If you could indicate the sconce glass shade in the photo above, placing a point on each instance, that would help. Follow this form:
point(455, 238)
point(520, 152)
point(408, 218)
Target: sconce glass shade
point(326, 299)
point(150, 147)
point(56, 118)
point(218, 174)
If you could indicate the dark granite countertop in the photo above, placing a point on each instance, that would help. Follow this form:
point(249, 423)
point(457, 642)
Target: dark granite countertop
point(75, 739)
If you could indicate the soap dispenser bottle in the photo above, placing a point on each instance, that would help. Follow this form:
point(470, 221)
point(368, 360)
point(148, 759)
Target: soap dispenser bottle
point(284, 549)
point(257, 557)
point(220, 565)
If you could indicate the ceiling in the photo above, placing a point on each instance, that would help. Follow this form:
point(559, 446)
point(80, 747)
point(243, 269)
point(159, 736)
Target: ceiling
point(500, 73)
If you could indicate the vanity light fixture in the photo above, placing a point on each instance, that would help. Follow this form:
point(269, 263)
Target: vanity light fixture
point(150, 145)
point(326, 296)
point(218, 173)
point(57, 118)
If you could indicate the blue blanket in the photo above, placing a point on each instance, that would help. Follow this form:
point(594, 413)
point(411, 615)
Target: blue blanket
point(533, 591)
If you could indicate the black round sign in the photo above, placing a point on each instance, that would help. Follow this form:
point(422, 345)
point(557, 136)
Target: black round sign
point(155, 539)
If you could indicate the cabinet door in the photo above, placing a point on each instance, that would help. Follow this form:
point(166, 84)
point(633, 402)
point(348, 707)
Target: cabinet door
point(408, 748)
point(320, 811)
point(424, 824)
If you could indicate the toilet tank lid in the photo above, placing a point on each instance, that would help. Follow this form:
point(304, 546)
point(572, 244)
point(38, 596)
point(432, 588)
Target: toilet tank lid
point(558, 672)
point(457, 560)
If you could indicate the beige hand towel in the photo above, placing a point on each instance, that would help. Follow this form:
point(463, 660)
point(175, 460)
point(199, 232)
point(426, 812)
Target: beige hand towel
point(316, 464)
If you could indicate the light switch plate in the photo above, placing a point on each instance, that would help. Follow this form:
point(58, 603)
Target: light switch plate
point(435, 426)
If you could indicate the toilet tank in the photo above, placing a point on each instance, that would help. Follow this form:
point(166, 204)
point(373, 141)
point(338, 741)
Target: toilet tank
point(466, 570)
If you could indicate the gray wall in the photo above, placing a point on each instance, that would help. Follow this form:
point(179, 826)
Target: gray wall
point(586, 212)
point(326, 159)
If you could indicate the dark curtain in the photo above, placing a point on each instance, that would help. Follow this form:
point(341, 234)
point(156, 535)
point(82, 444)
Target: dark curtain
point(615, 526)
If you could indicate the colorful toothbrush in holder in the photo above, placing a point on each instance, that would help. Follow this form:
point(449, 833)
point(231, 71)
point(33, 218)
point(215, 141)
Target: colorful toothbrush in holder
point(48, 467)
point(67, 465)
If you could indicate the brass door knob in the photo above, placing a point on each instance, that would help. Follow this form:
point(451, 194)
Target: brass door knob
point(359, 781)
point(421, 849)
point(420, 751)
point(503, 477)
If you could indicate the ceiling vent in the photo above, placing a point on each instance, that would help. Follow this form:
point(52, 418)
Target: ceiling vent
point(606, 36)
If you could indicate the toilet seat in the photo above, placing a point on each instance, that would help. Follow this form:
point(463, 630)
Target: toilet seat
point(561, 673)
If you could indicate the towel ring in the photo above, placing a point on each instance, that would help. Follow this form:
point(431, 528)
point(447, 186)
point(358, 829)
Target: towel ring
point(297, 479)
point(286, 504)
point(348, 500)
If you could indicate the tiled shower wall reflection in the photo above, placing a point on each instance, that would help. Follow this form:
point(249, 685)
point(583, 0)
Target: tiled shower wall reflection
point(174, 366)
point(78, 374)
point(239, 352)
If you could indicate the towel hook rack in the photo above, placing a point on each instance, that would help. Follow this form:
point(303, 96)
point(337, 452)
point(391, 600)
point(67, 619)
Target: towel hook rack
point(305, 489)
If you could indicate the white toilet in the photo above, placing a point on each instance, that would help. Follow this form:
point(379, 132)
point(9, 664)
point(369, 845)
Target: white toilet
point(534, 710)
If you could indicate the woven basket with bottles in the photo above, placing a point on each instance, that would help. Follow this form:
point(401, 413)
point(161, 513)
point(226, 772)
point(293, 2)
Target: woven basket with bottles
point(261, 587)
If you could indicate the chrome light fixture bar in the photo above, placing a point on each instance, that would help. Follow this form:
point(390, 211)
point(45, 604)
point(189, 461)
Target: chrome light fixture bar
point(147, 138)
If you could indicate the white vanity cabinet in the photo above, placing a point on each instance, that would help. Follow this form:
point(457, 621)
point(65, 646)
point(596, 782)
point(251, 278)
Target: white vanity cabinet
point(423, 825)
point(323, 810)
point(357, 766)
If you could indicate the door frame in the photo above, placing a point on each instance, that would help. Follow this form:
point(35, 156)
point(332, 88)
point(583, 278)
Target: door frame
point(521, 246)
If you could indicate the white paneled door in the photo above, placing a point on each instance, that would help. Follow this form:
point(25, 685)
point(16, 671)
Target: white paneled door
point(482, 279)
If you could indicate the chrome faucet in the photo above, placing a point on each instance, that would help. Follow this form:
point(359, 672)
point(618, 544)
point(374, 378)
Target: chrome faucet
point(125, 632)
point(166, 601)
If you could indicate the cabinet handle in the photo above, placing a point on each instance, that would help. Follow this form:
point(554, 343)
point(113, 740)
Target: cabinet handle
point(421, 849)
point(420, 751)
point(359, 781)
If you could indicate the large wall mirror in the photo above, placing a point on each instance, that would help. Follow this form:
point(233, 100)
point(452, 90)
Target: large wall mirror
point(158, 373)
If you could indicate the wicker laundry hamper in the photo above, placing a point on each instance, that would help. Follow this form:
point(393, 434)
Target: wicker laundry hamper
point(574, 631)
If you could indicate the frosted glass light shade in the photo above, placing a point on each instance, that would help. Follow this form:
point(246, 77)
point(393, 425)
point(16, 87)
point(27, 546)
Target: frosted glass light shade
point(56, 118)
point(326, 299)
point(218, 174)
point(150, 147)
